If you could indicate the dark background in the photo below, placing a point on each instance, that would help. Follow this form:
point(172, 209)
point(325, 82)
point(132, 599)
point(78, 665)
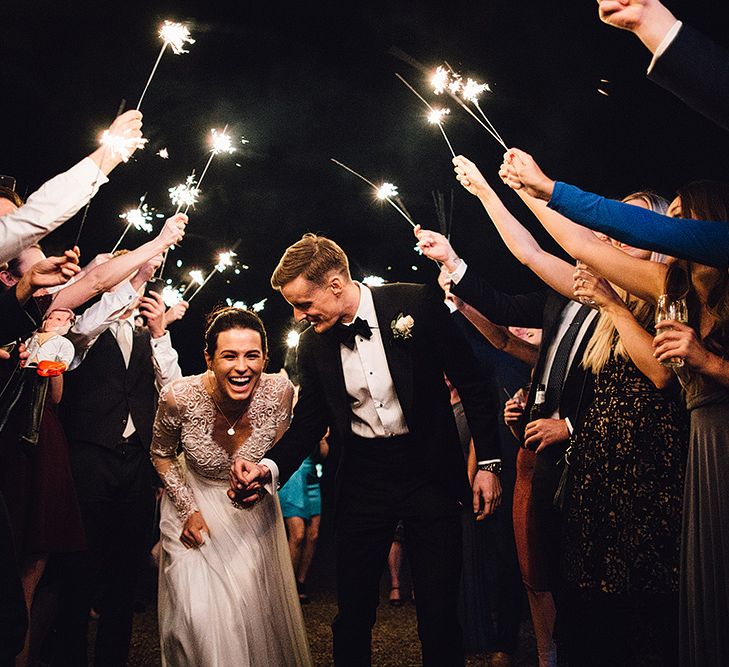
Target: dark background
point(312, 81)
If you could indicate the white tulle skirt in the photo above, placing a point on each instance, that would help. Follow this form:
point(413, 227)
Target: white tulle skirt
point(233, 601)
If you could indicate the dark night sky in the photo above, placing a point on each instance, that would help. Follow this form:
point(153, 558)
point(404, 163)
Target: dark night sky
point(317, 81)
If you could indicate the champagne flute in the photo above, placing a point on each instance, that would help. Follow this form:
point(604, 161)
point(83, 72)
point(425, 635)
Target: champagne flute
point(671, 309)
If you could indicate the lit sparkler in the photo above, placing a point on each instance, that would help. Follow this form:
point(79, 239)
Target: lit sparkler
point(185, 194)
point(435, 116)
point(452, 82)
point(136, 217)
point(225, 260)
point(121, 146)
point(174, 35)
point(196, 277)
point(373, 281)
point(171, 295)
point(164, 153)
point(386, 191)
point(259, 306)
point(292, 338)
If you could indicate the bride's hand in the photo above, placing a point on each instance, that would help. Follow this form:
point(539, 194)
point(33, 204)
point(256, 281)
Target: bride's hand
point(192, 536)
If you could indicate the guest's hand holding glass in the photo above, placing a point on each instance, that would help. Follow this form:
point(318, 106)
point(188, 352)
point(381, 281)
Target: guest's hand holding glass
point(676, 343)
point(593, 290)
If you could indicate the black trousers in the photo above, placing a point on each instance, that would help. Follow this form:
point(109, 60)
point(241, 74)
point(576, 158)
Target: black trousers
point(382, 482)
point(117, 506)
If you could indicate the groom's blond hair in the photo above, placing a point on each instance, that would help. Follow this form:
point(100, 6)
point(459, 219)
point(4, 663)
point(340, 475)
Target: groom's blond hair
point(313, 257)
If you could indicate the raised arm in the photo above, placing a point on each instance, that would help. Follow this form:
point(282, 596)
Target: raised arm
point(696, 240)
point(104, 277)
point(552, 270)
point(60, 198)
point(641, 277)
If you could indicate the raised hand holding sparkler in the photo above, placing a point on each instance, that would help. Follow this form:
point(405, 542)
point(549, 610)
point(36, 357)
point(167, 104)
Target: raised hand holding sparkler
point(387, 192)
point(174, 35)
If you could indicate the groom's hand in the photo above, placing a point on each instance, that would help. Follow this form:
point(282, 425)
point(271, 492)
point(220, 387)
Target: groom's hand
point(246, 478)
point(486, 494)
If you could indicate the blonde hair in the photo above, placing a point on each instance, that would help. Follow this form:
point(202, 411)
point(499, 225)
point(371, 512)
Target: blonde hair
point(600, 347)
point(605, 336)
point(313, 257)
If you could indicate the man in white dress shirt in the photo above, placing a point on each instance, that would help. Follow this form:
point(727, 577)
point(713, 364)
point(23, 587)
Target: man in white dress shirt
point(371, 367)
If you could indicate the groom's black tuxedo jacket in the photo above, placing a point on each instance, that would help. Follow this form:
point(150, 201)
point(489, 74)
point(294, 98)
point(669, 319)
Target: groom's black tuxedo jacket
point(417, 365)
point(540, 309)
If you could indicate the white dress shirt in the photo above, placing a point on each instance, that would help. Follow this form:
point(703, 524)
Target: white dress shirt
point(49, 207)
point(103, 314)
point(376, 410)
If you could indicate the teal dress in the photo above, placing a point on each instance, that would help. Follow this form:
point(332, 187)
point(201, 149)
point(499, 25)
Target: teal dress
point(301, 495)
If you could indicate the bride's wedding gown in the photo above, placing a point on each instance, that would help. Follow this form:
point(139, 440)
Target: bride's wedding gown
point(232, 601)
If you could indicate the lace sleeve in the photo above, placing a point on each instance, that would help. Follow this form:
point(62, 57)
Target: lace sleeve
point(270, 416)
point(163, 452)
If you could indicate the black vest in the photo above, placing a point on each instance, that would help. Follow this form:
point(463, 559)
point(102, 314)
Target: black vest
point(99, 395)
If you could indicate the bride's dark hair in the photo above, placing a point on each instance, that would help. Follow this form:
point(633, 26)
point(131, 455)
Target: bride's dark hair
point(225, 318)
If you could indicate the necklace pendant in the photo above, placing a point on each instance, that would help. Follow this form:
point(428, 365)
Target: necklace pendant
point(231, 431)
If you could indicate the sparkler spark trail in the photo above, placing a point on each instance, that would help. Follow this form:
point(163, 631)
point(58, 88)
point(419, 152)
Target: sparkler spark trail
point(452, 83)
point(174, 35)
point(121, 146)
point(196, 278)
point(136, 217)
point(171, 295)
point(292, 338)
point(435, 116)
point(185, 194)
point(225, 260)
point(386, 191)
point(373, 281)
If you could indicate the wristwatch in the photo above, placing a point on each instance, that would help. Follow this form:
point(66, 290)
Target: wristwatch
point(492, 466)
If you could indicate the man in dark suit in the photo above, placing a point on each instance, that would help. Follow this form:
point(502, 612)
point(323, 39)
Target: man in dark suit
point(108, 409)
point(566, 330)
point(371, 367)
point(685, 62)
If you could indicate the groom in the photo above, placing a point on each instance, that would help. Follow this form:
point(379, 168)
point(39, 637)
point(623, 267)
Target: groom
point(371, 366)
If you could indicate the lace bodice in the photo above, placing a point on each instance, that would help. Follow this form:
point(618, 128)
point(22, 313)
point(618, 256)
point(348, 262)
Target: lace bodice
point(186, 415)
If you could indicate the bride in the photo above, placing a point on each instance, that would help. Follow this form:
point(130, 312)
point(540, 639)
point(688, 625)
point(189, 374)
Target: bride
point(227, 594)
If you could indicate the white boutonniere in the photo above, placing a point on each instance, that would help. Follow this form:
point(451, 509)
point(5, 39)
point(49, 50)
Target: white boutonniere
point(402, 326)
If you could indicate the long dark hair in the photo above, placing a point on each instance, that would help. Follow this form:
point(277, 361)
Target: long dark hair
point(225, 318)
point(704, 200)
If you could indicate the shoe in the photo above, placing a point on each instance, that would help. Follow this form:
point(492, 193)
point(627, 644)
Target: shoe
point(303, 597)
point(499, 659)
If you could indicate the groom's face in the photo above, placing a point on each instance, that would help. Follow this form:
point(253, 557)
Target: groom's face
point(320, 305)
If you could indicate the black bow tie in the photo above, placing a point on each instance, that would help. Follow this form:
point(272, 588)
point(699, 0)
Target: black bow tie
point(345, 333)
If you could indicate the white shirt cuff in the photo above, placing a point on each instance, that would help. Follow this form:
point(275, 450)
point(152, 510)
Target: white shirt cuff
point(570, 428)
point(272, 486)
point(459, 272)
point(87, 171)
point(488, 461)
point(665, 43)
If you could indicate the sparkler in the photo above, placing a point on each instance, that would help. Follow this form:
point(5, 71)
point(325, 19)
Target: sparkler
point(435, 116)
point(171, 295)
point(174, 35)
point(225, 260)
point(386, 191)
point(185, 194)
point(292, 338)
point(121, 146)
point(259, 306)
point(373, 281)
point(136, 217)
point(445, 79)
point(197, 277)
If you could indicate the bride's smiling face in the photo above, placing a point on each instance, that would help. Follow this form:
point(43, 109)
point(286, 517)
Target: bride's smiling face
point(237, 363)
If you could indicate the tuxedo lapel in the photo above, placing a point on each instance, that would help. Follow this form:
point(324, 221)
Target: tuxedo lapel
point(329, 361)
point(398, 352)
